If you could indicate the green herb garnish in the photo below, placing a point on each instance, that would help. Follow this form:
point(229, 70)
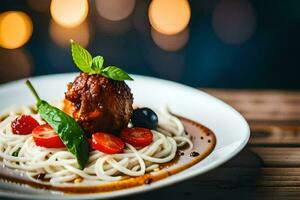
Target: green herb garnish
point(67, 128)
point(16, 152)
point(84, 61)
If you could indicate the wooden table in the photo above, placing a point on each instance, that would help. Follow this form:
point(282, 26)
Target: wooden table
point(269, 166)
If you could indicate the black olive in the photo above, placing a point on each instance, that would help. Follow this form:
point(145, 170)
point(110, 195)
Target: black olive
point(144, 117)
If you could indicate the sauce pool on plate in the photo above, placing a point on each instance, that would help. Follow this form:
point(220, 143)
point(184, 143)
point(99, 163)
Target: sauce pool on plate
point(204, 142)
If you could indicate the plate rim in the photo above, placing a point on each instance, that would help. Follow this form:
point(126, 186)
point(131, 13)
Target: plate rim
point(143, 188)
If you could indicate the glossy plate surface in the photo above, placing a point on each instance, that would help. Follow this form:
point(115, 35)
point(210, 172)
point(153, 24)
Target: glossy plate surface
point(230, 128)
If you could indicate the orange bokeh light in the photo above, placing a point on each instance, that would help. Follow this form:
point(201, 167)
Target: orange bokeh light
point(69, 13)
point(15, 29)
point(62, 35)
point(169, 16)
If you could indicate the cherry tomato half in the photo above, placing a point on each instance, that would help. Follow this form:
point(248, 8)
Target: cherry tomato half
point(23, 125)
point(45, 136)
point(107, 143)
point(136, 136)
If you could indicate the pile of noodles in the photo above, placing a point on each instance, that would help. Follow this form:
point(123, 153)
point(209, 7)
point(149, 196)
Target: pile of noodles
point(60, 167)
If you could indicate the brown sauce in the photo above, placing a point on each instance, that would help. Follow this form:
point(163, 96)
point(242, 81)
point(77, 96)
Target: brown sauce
point(204, 142)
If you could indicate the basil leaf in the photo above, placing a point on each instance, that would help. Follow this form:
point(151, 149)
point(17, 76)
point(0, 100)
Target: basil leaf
point(81, 57)
point(16, 153)
point(115, 73)
point(97, 64)
point(68, 130)
point(84, 61)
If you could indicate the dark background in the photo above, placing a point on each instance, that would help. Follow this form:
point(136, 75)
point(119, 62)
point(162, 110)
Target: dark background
point(262, 50)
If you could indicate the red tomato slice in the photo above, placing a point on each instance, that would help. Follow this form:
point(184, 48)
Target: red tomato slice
point(107, 143)
point(45, 136)
point(24, 125)
point(136, 136)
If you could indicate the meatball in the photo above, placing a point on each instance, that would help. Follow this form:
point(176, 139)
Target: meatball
point(99, 103)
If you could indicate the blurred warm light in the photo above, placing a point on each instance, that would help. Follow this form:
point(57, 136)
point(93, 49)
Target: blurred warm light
point(15, 29)
point(69, 13)
point(170, 42)
point(39, 6)
point(62, 35)
point(15, 64)
point(169, 16)
point(109, 27)
point(115, 10)
point(234, 21)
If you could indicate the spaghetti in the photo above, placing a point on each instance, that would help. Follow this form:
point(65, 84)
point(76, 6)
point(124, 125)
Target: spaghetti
point(59, 166)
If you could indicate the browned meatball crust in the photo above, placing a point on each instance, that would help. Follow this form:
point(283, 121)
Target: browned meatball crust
point(99, 103)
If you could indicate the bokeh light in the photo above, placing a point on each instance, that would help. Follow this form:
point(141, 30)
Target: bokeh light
point(169, 16)
point(234, 21)
point(62, 35)
point(170, 42)
point(114, 28)
point(69, 13)
point(15, 64)
point(115, 10)
point(15, 29)
point(39, 6)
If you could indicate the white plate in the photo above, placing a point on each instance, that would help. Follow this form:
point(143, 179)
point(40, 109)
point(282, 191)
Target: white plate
point(230, 128)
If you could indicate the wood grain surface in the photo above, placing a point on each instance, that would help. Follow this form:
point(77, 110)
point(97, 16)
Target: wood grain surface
point(269, 166)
